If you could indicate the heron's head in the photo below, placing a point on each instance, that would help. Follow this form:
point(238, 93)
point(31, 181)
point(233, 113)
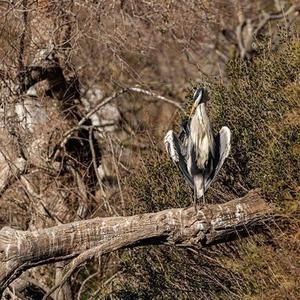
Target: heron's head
point(200, 96)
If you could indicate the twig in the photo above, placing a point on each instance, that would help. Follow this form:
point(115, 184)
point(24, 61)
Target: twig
point(106, 203)
point(105, 247)
point(83, 284)
point(152, 94)
point(106, 282)
point(117, 174)
point(83, 206)
point(11, 172)
point(275, 16)
point(37, 201)
point(245, 39)
point(239, 38)
point(94, 161)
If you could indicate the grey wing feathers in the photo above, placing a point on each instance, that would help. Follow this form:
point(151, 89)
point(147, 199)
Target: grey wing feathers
point(174, 150)
point(224, 148)
point(222, 143)
point(178, 151)
point(183, 138)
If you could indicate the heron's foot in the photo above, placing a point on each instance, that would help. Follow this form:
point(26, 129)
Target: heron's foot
point(199, 204)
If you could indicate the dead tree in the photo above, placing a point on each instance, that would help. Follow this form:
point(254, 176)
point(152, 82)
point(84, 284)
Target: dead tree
point(81, 240)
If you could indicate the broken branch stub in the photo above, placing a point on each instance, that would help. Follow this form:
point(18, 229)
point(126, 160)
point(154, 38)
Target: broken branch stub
point(21, 250)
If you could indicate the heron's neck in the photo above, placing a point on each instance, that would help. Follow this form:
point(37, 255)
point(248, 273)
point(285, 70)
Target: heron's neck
point(200, 126)
point(202, 115)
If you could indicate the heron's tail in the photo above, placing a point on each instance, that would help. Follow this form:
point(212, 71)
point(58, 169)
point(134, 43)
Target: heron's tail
point(199, 183)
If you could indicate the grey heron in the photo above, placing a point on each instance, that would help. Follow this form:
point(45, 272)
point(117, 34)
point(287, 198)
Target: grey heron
point(198, 155)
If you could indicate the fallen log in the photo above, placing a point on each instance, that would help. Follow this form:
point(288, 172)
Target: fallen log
point(206, 225)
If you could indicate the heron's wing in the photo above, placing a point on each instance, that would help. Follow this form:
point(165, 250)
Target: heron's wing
point(183, 138)
point(173, 147)
point(222, 149)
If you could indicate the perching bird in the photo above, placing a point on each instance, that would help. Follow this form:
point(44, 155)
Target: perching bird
point(196, 152)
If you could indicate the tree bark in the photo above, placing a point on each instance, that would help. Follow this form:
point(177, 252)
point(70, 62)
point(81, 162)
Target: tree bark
point(210, 224)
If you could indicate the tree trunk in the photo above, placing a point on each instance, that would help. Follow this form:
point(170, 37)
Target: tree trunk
point(21, 250)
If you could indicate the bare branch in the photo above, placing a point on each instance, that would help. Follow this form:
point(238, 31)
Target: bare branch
point(275, 16)
point(107, 100)
point(248, 29)
point(106, 204)
point(210, 224)
point(10, 171)
point(154, 95)
point(25, 286)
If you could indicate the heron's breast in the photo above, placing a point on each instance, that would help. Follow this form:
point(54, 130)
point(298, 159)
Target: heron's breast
point(199, 155)
point(202, 150)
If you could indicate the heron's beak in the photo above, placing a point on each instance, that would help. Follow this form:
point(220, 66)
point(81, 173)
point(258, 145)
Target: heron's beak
point(193, 110)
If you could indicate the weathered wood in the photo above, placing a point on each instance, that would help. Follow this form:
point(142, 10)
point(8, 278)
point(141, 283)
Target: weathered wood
point(21, 250)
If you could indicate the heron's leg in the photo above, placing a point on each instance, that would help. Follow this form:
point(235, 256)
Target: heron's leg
point(195, 198)
point(203, 189)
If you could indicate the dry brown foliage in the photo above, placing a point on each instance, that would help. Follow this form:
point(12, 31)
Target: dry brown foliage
point(167, 47)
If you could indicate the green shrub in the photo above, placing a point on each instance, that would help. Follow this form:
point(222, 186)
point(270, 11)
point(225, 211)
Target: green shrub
point(260, 104)
point(256, 105)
